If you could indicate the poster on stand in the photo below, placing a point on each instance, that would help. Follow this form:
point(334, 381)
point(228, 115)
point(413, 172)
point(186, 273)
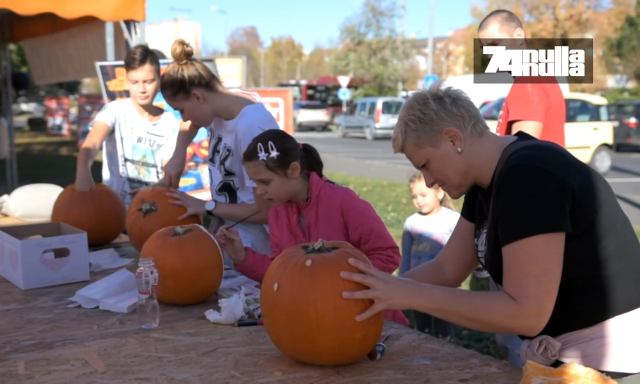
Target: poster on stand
point(88, 108)
point(57, 115)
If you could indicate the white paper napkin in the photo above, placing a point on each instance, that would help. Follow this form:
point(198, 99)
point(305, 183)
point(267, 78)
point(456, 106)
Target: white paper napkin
point(116, 291)
point(106, 258)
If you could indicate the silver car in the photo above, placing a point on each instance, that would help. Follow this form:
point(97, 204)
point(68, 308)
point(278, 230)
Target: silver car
point(372, 116)
point(312, 115)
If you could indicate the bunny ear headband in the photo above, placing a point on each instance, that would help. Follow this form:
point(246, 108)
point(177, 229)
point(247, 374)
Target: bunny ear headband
point(272, 151)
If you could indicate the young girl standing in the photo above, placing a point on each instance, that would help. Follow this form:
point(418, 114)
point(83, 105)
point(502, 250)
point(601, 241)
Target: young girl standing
point(425, 234)
point(306, 207)
point(233, 120)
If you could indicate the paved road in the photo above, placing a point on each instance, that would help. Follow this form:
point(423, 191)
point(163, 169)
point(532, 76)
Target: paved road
point(358, 157)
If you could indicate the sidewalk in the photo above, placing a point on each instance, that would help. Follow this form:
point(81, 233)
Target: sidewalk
point(368, 169)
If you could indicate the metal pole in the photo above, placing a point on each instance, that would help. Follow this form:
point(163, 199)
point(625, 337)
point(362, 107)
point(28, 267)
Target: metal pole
point(12, 175)
point(400, 80)
point(262, 68)
point(431, 11)
point(111, 49)
point(226, 26)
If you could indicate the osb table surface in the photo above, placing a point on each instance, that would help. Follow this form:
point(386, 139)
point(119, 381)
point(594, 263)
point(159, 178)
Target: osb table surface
point(44, 341)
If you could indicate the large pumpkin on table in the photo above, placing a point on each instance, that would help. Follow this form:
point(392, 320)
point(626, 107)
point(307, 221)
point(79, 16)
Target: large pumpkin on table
point(100, 212)
point(304, 312)
point(189, 263)
point(151, 211)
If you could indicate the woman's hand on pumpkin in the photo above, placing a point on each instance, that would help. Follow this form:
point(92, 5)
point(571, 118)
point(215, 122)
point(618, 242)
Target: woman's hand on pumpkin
point(193, 205)
point(231, 243)
point(387, 291)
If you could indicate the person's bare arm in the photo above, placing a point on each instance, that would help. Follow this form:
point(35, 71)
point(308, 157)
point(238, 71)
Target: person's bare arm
point(174, 167)
point(534, 128)
point(237, 212)
point(532, 271)
point(87, 155)
point(454, 263)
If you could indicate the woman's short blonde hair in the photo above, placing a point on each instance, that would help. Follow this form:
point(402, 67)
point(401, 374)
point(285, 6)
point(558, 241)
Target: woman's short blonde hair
point(427, 113)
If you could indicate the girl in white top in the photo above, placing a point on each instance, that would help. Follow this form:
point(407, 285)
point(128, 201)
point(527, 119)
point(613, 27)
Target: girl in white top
point(233, 120)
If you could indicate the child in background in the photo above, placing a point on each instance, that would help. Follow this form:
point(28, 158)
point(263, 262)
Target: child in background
point(425, 234)
point(306, 207)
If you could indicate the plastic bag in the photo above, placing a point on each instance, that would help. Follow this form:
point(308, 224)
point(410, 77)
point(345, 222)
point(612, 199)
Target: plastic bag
point(32, 202)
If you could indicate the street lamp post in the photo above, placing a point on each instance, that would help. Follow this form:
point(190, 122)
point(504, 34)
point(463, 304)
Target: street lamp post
point(226, 25)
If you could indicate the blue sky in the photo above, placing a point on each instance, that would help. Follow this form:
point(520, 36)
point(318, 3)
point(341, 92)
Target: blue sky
point(309, 22)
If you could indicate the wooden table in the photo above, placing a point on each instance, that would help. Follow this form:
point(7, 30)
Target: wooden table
point(43, 341)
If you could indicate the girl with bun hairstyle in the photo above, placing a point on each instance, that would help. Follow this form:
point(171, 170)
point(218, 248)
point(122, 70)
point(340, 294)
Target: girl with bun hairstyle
point(234, 119)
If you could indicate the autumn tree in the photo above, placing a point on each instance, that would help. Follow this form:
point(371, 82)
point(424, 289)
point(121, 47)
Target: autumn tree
point(317, 63)
point(623, 50)
point(245, 41)
point(282, 59)
point(372, 48)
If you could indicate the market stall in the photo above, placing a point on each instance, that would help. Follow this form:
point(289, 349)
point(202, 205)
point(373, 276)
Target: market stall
point(24, 20)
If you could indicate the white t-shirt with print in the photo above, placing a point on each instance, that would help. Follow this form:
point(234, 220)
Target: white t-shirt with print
point(229, 182)
point(135, 148)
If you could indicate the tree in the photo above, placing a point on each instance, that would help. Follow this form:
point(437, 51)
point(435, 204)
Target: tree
point(282, 59)
point(548, 18)
point(18, 58)
point(245, 41)
point(371, 48)
point(623, 50)
point(317, 63)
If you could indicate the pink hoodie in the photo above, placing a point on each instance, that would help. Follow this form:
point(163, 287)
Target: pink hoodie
point(333, 213)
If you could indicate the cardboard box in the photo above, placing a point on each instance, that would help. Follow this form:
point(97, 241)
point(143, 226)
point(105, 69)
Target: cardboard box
point(43, 255)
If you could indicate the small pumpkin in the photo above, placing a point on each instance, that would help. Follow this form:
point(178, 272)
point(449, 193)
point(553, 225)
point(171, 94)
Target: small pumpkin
point(99, 212)
point(189, 262)
point(151, 211)
point(304, 312)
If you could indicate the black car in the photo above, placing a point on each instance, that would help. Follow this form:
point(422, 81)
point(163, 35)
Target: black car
point(625, 116)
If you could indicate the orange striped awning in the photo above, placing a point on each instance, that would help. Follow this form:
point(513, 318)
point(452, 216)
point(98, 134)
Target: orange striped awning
point(33, 18)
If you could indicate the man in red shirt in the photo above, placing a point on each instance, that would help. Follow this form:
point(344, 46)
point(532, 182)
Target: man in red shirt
point(533, 105)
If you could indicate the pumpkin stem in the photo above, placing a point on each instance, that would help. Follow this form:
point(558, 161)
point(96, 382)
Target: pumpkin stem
point(179, 231)
point(319, 247)
point(147, 208)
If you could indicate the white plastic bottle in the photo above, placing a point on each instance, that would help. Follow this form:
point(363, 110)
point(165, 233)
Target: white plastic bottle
point(148, 308)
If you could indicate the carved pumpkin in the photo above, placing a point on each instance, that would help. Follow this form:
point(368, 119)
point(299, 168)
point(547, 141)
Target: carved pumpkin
point(304, 312)
point(189, 262)
point(151, 211)
point(100, 212)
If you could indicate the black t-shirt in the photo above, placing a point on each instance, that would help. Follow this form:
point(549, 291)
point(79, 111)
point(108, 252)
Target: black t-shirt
point(542, 188)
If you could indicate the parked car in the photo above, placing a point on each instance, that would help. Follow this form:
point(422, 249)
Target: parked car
point(311, 115)
point(625, 116)
point(588, 130)
point(372, 116)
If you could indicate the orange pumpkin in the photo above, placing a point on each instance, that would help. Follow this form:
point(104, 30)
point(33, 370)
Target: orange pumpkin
point(189, 263)
point(100, 212)
point(151, 211)
point(304, 312)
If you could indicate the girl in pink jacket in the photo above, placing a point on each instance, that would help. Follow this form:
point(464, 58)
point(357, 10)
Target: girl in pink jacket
point(306, 207)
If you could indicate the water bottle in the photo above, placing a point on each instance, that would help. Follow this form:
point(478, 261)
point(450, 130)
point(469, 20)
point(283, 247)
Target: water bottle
point(148, 308)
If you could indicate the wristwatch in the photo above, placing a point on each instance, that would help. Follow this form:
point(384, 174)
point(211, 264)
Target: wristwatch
point(210, 206)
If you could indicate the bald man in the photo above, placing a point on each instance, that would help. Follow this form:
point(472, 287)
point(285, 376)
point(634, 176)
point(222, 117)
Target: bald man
point(532, 106)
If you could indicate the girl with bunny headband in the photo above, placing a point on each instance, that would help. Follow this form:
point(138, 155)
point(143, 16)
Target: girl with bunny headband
point(306, 207)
